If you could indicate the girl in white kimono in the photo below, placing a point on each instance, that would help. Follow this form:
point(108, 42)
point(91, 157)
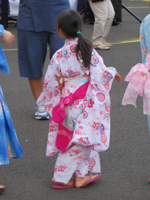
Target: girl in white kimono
point(76, 96)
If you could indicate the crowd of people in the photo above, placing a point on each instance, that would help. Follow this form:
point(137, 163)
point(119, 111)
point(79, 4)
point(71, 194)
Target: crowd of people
point(75, 95)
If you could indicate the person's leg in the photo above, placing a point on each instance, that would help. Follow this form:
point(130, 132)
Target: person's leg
point(100, 12)
point(36, 86)
point(74, 160)
point(88, 14)
point(110, 17)
point(55, 43)
point(32, 48)
point(93, 167)
point(83, 181)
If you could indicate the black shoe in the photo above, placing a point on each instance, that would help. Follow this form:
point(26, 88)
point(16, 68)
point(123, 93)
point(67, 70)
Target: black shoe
point(2, 190)
point(88, 21)
point(115, 23)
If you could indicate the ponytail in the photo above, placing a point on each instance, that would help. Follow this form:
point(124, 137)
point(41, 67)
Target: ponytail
point(84, 47)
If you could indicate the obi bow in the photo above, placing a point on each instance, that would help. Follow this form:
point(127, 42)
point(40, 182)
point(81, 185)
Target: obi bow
point(64, 134)
point(139, 83)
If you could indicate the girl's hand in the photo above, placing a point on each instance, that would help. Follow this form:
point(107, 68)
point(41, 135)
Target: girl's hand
point(8, 37)
point(118, 77)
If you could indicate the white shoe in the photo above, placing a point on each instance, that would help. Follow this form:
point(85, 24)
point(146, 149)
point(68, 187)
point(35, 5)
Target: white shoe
point(41, 113)
point(106, 43)
point(101, 47)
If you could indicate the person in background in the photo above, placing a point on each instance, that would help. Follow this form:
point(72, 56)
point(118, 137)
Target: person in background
point(88, 14)
point(36, 27)
point(104, 14)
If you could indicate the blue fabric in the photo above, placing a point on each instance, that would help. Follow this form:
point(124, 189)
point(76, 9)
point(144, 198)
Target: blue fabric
point(148, 117)
point(40, 15)
point(1, 29)
point(37, 17)
point(80, 5)
point(32, 49)
point(3, 62)
point(145, 42)
point(9, 145)
point(1, 8)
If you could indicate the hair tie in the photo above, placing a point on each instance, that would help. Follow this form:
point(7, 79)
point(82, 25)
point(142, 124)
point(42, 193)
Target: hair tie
point(78, 32)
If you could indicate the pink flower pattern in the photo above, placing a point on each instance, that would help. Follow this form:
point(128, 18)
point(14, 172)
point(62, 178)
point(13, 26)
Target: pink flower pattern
point(84, 112)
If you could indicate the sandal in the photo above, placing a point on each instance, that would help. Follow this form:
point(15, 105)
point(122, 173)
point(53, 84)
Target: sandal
point(63, 186)
point(91, 180)
point(102, 47)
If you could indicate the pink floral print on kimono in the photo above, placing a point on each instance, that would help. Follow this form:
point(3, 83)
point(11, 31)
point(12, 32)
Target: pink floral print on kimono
point(89, 117)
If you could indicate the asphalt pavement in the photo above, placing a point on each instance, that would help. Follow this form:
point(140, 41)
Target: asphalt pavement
point(125, 166)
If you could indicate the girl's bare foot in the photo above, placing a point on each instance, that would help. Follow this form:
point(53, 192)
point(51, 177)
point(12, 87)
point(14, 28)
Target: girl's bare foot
point(2, 186)
point(2, 189)
point(81, 181)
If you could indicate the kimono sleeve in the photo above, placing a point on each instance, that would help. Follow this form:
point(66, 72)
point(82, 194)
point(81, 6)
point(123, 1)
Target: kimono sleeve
point(50, 96)
point(99, 72)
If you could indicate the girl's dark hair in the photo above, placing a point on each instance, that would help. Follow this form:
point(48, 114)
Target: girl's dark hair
point(70, 22)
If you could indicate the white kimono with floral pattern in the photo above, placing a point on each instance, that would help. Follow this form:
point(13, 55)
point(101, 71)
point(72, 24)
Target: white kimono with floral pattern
point(90, 116)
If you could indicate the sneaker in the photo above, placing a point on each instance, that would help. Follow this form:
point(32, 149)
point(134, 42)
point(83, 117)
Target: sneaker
point(41, 113)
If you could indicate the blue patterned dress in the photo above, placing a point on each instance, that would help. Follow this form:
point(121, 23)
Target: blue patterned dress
point(9, 145)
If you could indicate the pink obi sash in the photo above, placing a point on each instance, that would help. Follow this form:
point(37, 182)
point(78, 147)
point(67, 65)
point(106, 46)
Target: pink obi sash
point(64, 135)
point(139, 84)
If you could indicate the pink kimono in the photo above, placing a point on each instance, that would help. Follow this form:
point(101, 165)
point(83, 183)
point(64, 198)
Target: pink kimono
point(86, 119)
